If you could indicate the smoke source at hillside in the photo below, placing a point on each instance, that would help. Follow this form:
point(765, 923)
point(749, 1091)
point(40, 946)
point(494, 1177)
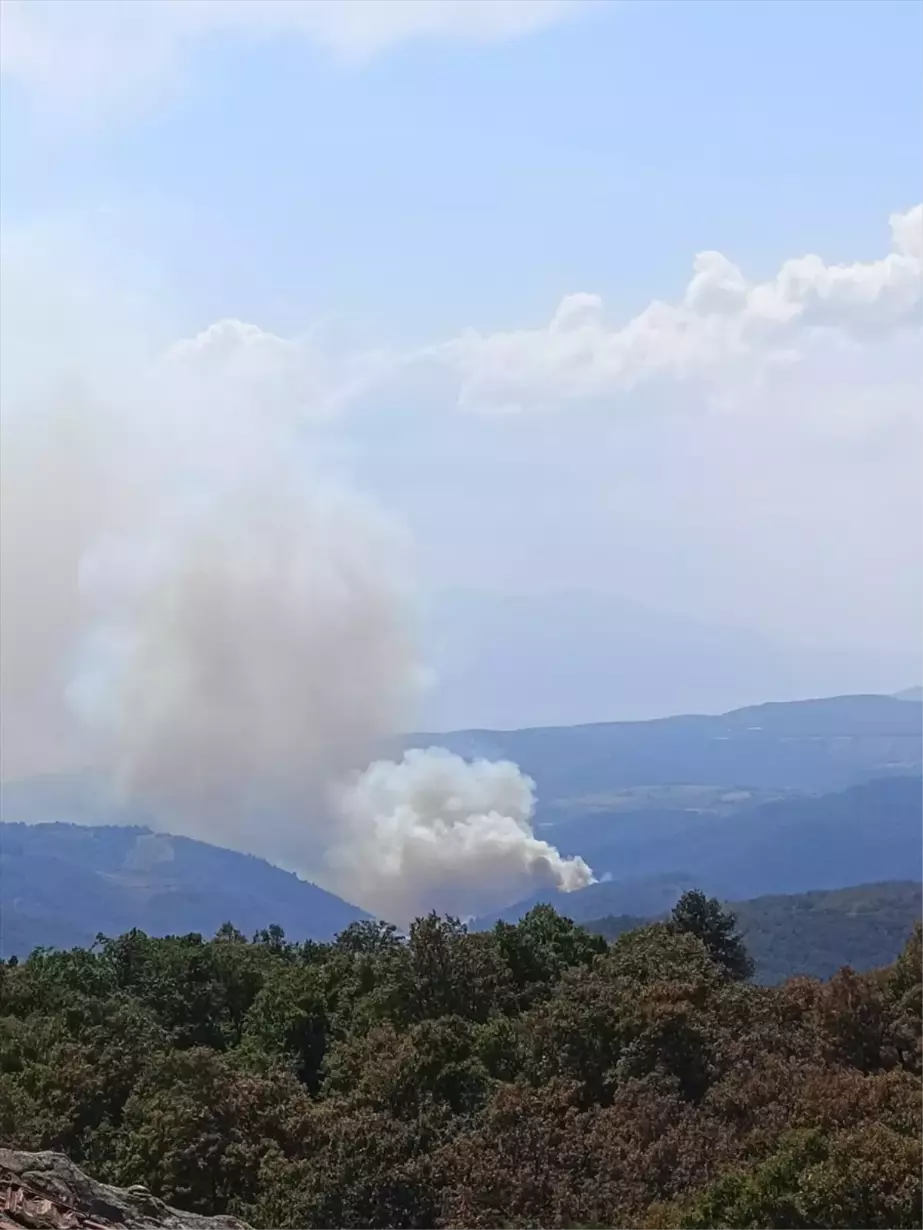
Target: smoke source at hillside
point(235, 630)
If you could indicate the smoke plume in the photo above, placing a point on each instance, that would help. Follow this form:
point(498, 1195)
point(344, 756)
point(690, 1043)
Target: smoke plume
point(436, 829)
point(242, 667)
point(254, 651)
point(233, 628)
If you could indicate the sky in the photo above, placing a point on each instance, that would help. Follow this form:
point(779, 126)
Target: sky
point(621, 297)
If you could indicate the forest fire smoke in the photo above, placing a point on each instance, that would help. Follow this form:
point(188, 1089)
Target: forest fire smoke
point(236, 634)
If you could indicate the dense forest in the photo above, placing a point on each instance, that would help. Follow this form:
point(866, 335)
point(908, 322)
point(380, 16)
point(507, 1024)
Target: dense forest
point(532, 1075)
point(814, 933)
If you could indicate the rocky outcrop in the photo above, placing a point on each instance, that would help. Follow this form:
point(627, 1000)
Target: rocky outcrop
point(46, 1191)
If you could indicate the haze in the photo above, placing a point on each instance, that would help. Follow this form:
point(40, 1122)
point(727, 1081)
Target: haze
point(328, 416)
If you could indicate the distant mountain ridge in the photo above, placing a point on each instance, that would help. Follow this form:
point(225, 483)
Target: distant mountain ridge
point(873, 831)
point(824, 744)
point(61, 884)
point(782, 797)
point(809, 745)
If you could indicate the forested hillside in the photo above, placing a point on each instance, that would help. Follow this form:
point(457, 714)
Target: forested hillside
point(814, 933)
point(61, 884)
point(797, 844)
point(527, 1076)
point(818, 933)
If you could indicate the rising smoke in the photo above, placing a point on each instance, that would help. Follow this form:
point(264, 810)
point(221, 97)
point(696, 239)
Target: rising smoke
point(436, 829)
point(245, 658)
point(235, 632)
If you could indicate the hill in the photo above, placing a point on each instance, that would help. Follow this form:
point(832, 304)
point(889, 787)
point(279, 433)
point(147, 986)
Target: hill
point(796, 844)
point(817, 745)
point(873, 831)
point(910, 694)
point(696, 761)
point(61, 884)
point(818, 933)
point(638, 800)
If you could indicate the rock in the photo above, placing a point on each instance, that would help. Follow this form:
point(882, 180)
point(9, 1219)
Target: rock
point(46, 1191)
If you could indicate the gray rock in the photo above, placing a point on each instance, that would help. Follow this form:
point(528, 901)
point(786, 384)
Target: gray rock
point(46, 1191)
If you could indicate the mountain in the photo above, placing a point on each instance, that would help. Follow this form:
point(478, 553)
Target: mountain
point(60, 884)
point(747, 754)
point(873, 831)
point(910, 694)
point(817, 933)
point(817, 745)
point(567, 657)
point(788, 844)
point(773, 798)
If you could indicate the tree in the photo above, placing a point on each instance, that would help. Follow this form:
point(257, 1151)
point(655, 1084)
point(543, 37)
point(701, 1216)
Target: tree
point(197, 1127)
point(701, 916)
point(540, 947)
point(527, 1076)
point(289, 1018)
point(868, 1177)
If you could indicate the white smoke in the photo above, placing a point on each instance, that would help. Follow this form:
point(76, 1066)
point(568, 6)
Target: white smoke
point(244, 665)
point(234, 628)
point(434, 831)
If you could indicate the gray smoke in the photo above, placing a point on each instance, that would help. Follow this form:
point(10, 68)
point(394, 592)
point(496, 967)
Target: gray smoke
point(243, 666)
point(234, 629)
point(250, 654)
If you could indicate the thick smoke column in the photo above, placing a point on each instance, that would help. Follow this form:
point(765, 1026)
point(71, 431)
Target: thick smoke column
point(252, 652)
point(244, 663)
point(234, 628)
point(434, 830)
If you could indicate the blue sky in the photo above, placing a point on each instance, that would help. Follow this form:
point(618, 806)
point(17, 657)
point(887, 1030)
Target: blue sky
point(457, 240)
point(444, 183)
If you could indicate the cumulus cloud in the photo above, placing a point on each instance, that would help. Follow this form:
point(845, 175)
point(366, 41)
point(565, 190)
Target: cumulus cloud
point(416, 831)
point(293, 377)
point(723, 330)
point(721, 341)
point(907, 232)
point(93, 51)
point(812, 373)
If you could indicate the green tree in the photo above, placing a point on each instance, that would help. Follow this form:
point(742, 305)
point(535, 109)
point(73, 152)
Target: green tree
point(867, 1177)
point(701, 916)
point(527, 1076)
point(288, 1017)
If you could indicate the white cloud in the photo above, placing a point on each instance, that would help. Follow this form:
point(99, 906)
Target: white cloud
point(724, 330)
point(246, 367)
point(727, 342)
point(92, 51)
